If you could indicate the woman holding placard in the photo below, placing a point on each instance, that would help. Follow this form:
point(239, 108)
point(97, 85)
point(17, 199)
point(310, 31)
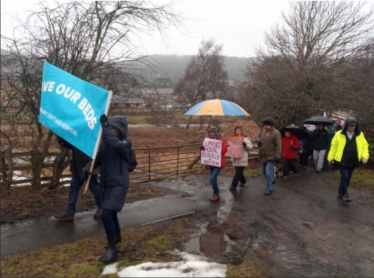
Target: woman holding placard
point(238, 151)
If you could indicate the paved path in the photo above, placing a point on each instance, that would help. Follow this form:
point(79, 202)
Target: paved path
point(299, 230)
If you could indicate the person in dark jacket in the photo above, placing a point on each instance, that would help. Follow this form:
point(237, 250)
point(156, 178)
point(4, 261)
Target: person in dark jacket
point(78, 161)
point(112, 159)
point(321, 143)
point(270, 143)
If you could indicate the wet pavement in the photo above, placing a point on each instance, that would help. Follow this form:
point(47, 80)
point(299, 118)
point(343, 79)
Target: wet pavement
point(299, 230)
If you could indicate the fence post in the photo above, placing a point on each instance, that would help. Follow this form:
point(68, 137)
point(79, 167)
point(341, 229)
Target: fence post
point(178, 161)
point(3, 169)
point(149, 164)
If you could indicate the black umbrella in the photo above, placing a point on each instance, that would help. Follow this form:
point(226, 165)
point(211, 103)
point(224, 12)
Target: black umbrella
point(295, 130)
point(318, 119)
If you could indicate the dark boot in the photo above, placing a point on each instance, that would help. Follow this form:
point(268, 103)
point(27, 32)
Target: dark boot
point(110, 254)
point(117, 240)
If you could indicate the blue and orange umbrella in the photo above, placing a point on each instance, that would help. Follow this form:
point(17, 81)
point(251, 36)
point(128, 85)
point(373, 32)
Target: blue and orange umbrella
point(216, 107)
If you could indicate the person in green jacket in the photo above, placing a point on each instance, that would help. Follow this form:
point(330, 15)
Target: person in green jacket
point(348, 148)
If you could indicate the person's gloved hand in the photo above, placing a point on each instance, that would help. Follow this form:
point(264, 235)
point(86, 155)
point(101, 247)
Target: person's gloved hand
point(85, 173)
point(277, 160)
point(202, 148)
point(104, 120)
point(259, 143)
point(244, 144)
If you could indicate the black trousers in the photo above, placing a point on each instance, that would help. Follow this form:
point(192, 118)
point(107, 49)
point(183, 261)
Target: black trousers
point(289, 165)
point(304, 158)
point(239, 176)
point(111, 225)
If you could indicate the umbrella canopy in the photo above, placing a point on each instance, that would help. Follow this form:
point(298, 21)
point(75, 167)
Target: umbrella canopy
point(318, 119)
point(216, 107)
point(295, 130)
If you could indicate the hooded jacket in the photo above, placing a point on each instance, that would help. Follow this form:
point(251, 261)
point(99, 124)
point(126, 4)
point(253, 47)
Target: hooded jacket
point(114, 154)
point(340, 139)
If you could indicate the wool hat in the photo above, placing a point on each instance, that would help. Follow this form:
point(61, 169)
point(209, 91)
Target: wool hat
point(350, 120)
point(268, 122)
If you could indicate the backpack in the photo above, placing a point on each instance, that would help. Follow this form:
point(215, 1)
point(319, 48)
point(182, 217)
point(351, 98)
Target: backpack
point(132, 160)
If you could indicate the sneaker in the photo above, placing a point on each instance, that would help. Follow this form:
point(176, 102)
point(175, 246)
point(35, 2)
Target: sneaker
point(267, 192)
point(232, 188)
point(286, 177)
point(97, 214)
point(65, 217)
point(242, 184)
point(346, 198)
point(215, 198)
point(340, 197)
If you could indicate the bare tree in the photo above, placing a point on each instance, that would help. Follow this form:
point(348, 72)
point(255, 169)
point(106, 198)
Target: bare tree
point(89, 40)
point(299, 72)
point(205, 76)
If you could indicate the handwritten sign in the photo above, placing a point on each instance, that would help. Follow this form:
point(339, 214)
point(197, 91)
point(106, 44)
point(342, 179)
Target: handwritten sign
point(235, 149)
point(212, 154)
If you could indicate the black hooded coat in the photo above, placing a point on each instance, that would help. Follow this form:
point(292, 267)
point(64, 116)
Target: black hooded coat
point(114, 169)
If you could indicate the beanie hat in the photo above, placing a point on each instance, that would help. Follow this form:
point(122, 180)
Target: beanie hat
point(350, 120)
point(268, 122)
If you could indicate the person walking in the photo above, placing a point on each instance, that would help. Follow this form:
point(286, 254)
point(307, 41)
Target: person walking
point(270, 144)
point(213, 170)
point(348, 148)
point(241, 162)
point(305, 149)
point(78, 161)
point(321, 142)
point(113, 159)
point(290, 145)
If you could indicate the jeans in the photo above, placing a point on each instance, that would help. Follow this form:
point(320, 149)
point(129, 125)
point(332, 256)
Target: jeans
point(214, 172)
point(289, 165)
point(111, 225)
point(268, 171)
point(319, 159)
point(345, 179)
point(75, 187)
point(239, 176)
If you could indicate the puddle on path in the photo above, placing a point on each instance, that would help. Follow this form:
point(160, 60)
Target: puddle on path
point(210, 241)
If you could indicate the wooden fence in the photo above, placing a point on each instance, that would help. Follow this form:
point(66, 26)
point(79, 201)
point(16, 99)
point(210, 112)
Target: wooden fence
point(153, 164)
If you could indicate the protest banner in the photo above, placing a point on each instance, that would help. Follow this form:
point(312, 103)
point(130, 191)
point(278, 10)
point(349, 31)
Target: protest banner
point(235, 149)
point(212, 154)
point(71, 108)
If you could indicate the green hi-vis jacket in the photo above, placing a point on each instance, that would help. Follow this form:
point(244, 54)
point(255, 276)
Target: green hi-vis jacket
point(338, 144)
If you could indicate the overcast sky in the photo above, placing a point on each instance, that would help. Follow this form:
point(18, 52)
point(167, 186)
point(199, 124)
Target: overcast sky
point(238, 25)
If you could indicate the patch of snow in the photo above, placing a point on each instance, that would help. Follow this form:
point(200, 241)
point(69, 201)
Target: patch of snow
point(191, 266)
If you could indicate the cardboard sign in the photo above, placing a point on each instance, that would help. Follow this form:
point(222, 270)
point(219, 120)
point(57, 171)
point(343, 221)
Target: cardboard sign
point(235, 149)
point(212, 154)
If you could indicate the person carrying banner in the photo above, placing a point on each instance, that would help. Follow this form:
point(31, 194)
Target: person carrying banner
point(112, 159)
point(240, 162)
point(78, 161)
point(214, 171)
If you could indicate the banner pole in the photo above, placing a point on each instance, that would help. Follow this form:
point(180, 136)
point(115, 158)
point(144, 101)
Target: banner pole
point(110, 94)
